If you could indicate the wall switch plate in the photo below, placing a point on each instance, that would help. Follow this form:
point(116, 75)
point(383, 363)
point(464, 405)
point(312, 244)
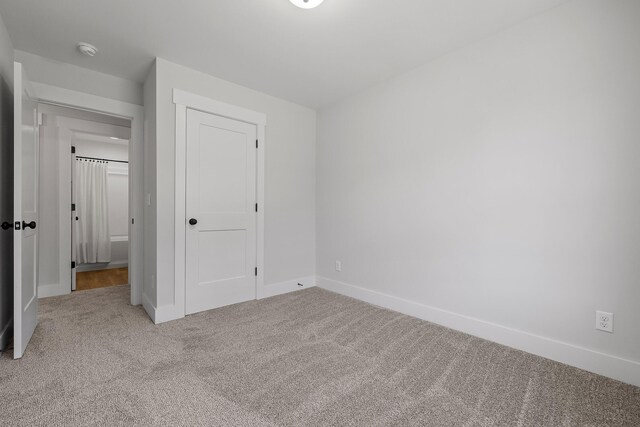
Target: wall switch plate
point(604, 321)
point(338, 265)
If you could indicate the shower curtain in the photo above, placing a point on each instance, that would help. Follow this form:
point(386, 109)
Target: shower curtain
point(92, 238)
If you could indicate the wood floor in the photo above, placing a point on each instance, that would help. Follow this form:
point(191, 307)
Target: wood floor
point(102, 278)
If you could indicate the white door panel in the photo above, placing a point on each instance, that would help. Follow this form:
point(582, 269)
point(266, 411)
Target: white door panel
point(221, 197)
point(223, 171)
point(25, 242)
point(222, 255)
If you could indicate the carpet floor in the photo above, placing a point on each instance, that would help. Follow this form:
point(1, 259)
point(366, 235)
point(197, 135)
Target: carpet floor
point(309, 358)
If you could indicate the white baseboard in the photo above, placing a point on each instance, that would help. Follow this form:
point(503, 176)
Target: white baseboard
point(5, 335)
point(101, 266)
point(285, 287)
point(167, 313)
point(149, 307)
point(624, 370)
point(53, 290)
point(163, 313)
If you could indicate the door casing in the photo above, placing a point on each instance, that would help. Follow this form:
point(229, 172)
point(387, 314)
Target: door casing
point(68, 98)
point(182, 101)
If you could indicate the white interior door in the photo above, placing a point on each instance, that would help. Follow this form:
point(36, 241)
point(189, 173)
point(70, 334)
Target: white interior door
point(25, 242)
point(220, 212)
point(74, 219)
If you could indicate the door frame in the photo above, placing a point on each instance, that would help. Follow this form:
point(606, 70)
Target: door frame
point(184, 100)
point(69, 98)
point(65, 131)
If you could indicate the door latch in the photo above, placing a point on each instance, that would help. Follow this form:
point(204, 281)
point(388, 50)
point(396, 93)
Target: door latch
point(31, 225)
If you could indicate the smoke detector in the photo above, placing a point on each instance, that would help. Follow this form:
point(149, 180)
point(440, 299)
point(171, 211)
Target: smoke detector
point(87, 49)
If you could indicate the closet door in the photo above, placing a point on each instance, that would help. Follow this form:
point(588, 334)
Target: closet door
point(221, 212)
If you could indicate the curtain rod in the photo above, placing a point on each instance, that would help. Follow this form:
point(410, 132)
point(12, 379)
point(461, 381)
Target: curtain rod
point(103, 160)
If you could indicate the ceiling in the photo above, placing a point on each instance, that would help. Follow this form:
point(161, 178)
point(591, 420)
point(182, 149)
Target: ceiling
point(84, 136)
point(312, 57)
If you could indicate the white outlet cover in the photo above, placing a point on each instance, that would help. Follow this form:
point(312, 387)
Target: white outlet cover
point(604, 321)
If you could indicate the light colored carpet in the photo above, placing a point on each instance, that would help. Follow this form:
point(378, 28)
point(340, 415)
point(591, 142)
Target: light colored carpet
point(310, 358)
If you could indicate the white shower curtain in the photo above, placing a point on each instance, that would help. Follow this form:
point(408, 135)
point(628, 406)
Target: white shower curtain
point(92, 238)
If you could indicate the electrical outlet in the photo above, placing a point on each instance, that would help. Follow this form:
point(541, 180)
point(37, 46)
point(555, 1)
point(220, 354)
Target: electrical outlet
point(338, 265)
point(604, 321)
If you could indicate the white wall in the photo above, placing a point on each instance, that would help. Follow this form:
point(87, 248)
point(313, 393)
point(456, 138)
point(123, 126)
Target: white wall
point(118, 197)
point(7, 55)
point(60, 74)
point(499, 184)
point(6, 189)
point(118, 150)
point(290, 176)
point(49, 274)
point(149, 294)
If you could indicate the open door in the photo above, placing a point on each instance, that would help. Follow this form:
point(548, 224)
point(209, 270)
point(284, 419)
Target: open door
point(25, 242)
point(74, 219)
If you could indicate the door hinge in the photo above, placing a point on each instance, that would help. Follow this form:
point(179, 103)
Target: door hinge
point(73, 207)
point(133, 221)
point(73, 264)
point(256, 207)
point(256, 143)
point(256, 271)
point(73, 149)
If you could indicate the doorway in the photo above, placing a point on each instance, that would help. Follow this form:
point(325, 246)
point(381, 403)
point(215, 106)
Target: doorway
point(134, 114)
point(99, 217)
point(84, 182)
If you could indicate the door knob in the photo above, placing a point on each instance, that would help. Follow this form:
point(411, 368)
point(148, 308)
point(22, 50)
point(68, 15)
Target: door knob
point(193, 221)
point(31, 225)
point(6, 225)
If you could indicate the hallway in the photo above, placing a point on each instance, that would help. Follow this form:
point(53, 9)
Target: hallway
point(101, 278)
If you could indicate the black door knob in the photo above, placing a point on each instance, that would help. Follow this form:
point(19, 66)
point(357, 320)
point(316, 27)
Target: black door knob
point(193, 221)
point(6, 225)
point(31, 225)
